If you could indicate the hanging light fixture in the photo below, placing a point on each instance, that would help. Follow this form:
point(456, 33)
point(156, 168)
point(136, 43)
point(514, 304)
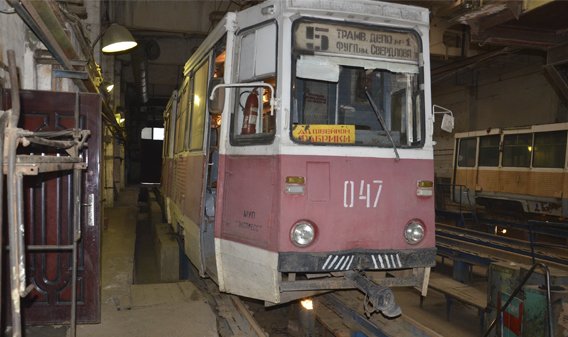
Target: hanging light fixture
point(108, 86)
point(115, 39)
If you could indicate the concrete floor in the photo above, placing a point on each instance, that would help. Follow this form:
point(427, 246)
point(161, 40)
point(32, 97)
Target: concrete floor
point(152, 309)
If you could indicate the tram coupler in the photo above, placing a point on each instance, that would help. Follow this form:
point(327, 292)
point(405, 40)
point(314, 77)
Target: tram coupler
point(377, 297)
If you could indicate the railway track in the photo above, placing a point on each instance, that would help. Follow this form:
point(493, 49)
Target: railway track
point(341, 313)
point(338, 314)
point(485, 248)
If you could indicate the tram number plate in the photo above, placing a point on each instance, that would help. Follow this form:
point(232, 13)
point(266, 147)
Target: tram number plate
point(369, 193)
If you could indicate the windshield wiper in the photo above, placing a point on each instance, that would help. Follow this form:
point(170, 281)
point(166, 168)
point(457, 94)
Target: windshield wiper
point(382, 122)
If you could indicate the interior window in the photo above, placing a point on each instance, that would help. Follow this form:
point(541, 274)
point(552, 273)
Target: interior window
point(253, 122)
point(517, 150)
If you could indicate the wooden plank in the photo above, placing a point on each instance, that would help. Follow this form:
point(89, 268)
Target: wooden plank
point(462, 292)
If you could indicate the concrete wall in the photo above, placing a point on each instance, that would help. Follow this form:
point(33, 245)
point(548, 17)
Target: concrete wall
point(15, 35)
point(38, 75)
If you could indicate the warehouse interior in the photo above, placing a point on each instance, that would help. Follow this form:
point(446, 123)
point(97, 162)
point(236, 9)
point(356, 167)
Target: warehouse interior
point(499, 66)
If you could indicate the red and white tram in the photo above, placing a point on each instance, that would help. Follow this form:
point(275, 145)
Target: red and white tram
point(298, 151)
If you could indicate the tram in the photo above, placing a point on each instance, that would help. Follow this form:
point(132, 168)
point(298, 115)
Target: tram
point(517, 170)
point(298, 151)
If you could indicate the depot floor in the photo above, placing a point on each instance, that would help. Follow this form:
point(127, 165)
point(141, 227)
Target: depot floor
point(134, 303)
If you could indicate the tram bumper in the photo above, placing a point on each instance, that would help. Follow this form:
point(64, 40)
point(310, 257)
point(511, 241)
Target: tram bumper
point(377, 297)
point(375, 260)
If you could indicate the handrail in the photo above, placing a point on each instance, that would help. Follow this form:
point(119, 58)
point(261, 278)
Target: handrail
point(517, 290)
point(453, 187)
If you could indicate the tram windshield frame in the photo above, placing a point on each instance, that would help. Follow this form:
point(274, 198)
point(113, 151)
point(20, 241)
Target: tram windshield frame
point(331, 78)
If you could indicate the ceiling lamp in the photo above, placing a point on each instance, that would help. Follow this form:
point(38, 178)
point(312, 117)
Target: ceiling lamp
point(108, 86)
point(116, 39)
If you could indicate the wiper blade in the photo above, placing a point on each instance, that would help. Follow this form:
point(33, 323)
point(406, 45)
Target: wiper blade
point(382, 122)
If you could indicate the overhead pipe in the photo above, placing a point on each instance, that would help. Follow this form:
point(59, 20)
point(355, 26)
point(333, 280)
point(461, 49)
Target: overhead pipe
point(140, 72)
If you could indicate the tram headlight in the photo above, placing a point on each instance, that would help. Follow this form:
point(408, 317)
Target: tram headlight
point(414, 232)
point(303, 233)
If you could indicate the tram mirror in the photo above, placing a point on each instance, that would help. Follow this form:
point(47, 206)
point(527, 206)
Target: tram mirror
point(447, 119)
point(317, 70)
point(447, 123)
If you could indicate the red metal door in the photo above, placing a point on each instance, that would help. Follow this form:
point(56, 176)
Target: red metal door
point(48, 209)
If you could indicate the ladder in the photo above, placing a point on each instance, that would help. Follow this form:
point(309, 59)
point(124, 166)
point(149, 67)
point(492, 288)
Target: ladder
point(15, 166)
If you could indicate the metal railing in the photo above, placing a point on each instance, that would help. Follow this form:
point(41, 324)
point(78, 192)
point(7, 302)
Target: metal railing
point(499, 316)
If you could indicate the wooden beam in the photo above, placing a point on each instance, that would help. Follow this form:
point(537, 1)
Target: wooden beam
point(482, 23)
point(558, 81)
point(519, 36)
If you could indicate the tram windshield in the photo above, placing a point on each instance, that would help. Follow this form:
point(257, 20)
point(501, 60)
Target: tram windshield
point(330, 102)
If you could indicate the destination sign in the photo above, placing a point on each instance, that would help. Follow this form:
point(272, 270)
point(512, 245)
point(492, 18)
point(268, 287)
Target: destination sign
point(348, 40)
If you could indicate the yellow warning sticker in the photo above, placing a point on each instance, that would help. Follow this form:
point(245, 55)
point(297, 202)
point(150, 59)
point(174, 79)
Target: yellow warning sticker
point(322, 133)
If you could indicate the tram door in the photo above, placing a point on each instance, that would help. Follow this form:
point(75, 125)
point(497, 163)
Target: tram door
point(215, 109)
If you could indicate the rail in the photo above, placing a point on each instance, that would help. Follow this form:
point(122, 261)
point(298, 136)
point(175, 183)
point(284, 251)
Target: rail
point(550, 228)
point(346, 307)
point(516, 291)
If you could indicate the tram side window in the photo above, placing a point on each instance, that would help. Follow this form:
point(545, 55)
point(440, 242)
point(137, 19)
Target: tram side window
point(252, 121)
point(517, 150)
point(198, 107)
point(549, 149)
point(489, 150)
point(181, 118)
point(467, 152)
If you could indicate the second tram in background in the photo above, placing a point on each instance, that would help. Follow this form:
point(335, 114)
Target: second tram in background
point(298, 151)
point(518, 170)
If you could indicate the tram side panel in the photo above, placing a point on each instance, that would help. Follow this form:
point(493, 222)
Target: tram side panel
point(246, 230)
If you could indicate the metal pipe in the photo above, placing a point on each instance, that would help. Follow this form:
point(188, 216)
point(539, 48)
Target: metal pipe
point(21, 232)
point(76, 238)
point(3, 117)
point(15, 92)
point(76, 219)
point(29, 21)
point(12, 143)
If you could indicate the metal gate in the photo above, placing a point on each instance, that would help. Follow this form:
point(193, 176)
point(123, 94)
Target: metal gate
point(47, 212)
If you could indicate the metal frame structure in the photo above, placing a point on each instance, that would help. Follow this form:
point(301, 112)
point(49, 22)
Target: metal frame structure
point(16, 166)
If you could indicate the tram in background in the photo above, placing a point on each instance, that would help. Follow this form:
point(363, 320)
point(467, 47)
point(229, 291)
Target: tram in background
point(298, 151)
point(518, 170)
